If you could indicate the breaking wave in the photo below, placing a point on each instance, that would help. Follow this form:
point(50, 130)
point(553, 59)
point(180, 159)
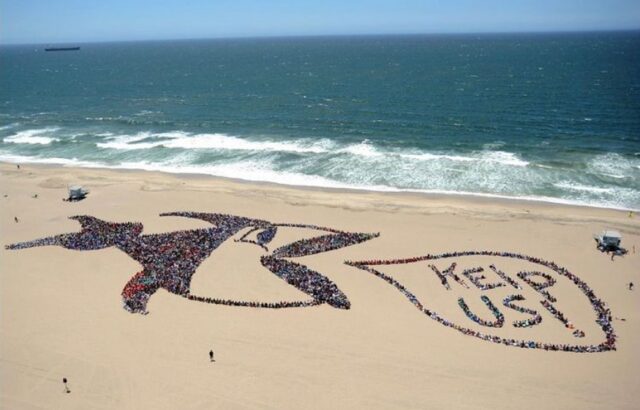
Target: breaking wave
point(35, 136)
point(603, 180)
point(183, 140)
point(178, 139)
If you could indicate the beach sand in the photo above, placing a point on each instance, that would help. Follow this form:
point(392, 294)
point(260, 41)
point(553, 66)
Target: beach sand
point(62, 315)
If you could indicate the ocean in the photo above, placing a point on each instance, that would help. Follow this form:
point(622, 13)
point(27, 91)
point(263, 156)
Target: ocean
point(549, 117)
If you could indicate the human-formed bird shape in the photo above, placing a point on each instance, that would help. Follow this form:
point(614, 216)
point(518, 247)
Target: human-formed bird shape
point(170, 259)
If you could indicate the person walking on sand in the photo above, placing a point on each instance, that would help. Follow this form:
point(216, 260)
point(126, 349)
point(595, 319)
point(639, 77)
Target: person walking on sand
point(630, 285)
point(15, 218)
point(66, 388)
point(211, 356)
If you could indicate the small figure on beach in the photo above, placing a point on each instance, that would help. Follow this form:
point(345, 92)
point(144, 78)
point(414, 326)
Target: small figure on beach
point(211, 356)
point(66, 387)
point(18, 166)
point(35, 196)
point(15, 218)
point(630, 285)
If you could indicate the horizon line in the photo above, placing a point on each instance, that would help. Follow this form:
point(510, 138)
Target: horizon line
point(285, 36)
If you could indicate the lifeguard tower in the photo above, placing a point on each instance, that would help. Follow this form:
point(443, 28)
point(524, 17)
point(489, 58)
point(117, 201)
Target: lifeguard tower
point(609, 240)
point(77, 193)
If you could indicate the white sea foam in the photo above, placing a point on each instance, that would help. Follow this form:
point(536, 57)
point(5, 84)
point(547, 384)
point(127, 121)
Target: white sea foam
point(71, 162)
point(246, 170)
point(498, 157)
point(583, 188)
point(127, 142)
point(435, 157)
point(145, 112)
point(8, 126)
point(179, 139)
point(364, 149)
point(614, 166)
point(221, 141)
point(262, 171)
point(502, 157)
point(362, 165)
point(34, 136)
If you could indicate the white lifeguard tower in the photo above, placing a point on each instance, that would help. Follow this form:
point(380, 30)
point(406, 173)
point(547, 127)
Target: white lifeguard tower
point(77, 193)
point(609, 240)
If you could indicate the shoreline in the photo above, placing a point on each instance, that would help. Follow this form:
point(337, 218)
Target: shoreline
point(453, 196)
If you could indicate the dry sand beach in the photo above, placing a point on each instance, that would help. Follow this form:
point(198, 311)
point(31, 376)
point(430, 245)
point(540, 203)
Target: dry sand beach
point(62, 314)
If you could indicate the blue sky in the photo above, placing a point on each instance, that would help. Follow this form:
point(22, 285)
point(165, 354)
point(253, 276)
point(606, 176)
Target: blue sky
point(51, 21)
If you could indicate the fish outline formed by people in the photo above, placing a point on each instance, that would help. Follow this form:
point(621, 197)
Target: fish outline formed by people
point(171, 259)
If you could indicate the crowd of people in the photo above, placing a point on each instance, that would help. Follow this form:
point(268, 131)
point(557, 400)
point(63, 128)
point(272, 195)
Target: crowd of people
point(603, 314)
point(319, 287)
point(171, 259)
point(477, 280)
point(561, 317)
point(266, 305)
point(505, 277)
point(508, 302)
point(324, 243)
point(450, 271)
point(262, 238)
point(180, 266)
point(308, 281)
point(494, 311)
point(539, 287)
point(95, 234)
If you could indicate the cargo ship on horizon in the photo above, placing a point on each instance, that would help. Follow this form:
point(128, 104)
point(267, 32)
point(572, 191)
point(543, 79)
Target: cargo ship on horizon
point(62, 49)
